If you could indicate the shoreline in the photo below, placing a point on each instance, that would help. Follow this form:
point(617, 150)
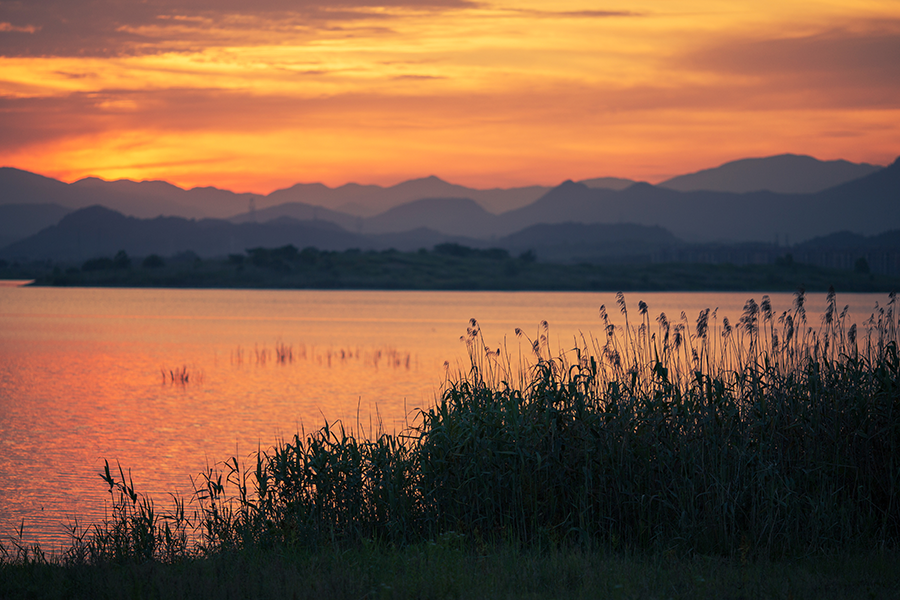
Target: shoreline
point(397, 271)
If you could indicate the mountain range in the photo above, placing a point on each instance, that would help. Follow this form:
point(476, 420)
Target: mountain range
point(784, 198)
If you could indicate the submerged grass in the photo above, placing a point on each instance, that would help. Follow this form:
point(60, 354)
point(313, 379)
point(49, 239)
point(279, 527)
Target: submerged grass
point(758, 440)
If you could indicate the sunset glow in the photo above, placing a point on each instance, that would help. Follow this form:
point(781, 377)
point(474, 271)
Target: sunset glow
point(505, 93)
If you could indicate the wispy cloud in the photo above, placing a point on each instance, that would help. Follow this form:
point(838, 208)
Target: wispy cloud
point(836, 68)
point(417, 77)
point(522, 90)
point(9, 27)
point(122, 27)
point(576, 14)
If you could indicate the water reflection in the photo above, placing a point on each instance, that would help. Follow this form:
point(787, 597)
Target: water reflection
point(167, 381)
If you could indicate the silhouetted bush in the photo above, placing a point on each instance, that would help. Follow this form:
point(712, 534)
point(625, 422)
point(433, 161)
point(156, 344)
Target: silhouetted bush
point(861, 265)
point(785, 261)
point(453, 249)
point(154, 261)
point(121, 260)
point(273, 257)
point(97, 264)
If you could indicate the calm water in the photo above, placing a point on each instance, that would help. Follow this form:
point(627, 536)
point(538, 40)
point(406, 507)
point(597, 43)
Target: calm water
point(86, 375)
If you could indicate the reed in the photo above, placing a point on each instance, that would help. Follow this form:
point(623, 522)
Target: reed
point(180, 376)
point(135, 530)
point(283, 353)
point(766, 437)
point(328, 356)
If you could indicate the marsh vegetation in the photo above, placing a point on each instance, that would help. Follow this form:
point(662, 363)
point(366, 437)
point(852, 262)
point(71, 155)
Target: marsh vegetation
point(769, 438)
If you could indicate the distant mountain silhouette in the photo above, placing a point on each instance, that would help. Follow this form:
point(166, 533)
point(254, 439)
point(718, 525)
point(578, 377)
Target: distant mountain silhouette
point(147, 199)
point(97, 231)
point(419, 238)
point(23, 187)
point(370, 200)
point(865, 206)
point(450, 216)
point(786, 174)
point(347, 198)
point(570, 202)
point(21, 220)
point(845, 240)
point(608, 183)
point(300, 212)
point(580, 242)
point(139, 199)
point(846, 250)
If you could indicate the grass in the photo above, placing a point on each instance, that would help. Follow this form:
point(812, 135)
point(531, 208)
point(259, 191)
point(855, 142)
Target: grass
point(445, 570)
point(686, 448)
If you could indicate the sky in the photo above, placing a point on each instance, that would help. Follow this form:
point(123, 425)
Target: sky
point(256, 96)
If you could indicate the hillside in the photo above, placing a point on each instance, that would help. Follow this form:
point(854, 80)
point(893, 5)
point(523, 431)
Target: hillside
point(783, 174)
point(866, 206)
point(97, 231)
point(587, 222)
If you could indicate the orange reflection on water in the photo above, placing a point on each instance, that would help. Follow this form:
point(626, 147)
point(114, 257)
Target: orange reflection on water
point(167, 382)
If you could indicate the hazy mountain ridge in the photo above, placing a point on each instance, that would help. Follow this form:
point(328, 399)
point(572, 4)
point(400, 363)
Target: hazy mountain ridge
point(98, 231)
point(608, 183)
point(370, 200)
point(782, 174)
point(595, 242)
point(155, 198)
point(867, 206)
point(842, 240)
point(18, 221)
point(450, 216)
point(302, 212)
point(145, 199)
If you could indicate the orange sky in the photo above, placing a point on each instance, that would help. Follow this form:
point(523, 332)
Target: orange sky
point(211, 92)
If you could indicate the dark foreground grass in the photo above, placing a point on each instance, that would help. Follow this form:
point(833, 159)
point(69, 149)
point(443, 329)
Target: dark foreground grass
point(673, 458)
point(449, 569)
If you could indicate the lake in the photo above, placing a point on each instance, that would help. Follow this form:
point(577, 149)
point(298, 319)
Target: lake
point(168, 381)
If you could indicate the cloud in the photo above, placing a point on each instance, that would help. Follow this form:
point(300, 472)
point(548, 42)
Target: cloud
point(259, 142)
point(356, 84)
point(417, 77)
point(835, 68)
point(578, 14)
point(4, 27)
point(123, 27)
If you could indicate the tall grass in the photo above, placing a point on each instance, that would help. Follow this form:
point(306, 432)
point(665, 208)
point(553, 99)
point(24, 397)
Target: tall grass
point(764, 436)
point(769, 436)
